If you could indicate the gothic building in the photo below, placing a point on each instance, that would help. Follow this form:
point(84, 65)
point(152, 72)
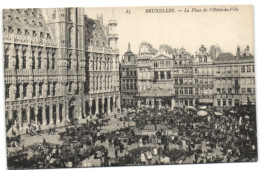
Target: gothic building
point(59, 65)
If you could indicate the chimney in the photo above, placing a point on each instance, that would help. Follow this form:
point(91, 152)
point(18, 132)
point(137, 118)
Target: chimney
point(238, 52)
point(129, 47)
point(247, 48)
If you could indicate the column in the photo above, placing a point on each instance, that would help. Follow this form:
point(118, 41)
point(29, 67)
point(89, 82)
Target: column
point(172, 104)
point(153, 105)
point(20, 118)
point(160, 103)
point(114, 104)
point(44, 122)
point(51, 113)
point(28, 113)
point(147, 102)
point(103, 105)
point(90, 106)
point(20, 55)
point(63, 112)
point(139, 103)
point(67, 111)
point(119, 103)
point(37, 90)
point(57, 113)
point(97, 112)
point(21, 91)
point(84, 109)
point(108, 105)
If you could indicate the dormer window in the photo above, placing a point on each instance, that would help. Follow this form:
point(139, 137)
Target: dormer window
point(41, 34)
point(26, 32)
point(25, 21)
point(17, 19)
point(39, 16)
point(10, 18)
point(19, 31)
point(33, 22)
point(18, 10)
point(10, 29)
point(34, 34)
point(48, 36)
point(40, 24)
point(25, 12)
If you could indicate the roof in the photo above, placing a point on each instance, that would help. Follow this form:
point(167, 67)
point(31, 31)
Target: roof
point(30, 19)
point(168, 48)
point(155, 92)
point(225, 57)
point(161, 57)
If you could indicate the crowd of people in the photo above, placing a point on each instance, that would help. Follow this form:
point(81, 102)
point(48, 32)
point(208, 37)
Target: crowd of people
point(185, 137)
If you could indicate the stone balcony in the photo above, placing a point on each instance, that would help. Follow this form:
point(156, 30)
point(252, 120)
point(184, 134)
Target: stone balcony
point(27, 40)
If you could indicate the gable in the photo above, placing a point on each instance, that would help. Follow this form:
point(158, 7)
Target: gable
point(161, 57)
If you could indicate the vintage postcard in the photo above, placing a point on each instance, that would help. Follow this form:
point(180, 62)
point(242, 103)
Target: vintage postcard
point(128, 86)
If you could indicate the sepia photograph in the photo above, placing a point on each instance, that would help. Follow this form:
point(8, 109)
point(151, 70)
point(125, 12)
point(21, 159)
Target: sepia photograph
point(129, 86)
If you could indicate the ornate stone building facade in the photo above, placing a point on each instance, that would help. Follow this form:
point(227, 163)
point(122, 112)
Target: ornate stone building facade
point(234, 79)
point(203, 77)
point(209, 78)
point(129, 78)
point(59, 65)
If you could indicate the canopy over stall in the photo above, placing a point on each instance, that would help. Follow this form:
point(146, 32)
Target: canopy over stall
point(156, 97)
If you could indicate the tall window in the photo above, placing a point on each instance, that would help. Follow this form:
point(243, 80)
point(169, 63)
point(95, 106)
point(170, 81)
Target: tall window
point(168, 74)
point(205, 59)
point(230, 102)
point(156, 75)
point(190, 90)
point(176, 81)
point(7, 91)
point(40, 88)
point(6, 59)
point(176, 91)
point(248, 69)
point(162, 74)
point(224, 102)
point(181, 81)
point(218, 102)
point(243, 69)
point(181, 90)
point(185, 90)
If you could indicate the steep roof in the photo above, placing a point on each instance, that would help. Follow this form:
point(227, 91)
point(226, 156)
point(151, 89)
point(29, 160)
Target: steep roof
point(30, 19)
point(225, 57)
point(168, 48)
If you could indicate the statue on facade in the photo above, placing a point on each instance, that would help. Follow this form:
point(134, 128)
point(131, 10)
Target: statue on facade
point(44, 63)
point(44, 89)
point(74, 64)
point(57, 88)
point(21, 90)
point(13, 89)
point(74, 87)
point(30, 89)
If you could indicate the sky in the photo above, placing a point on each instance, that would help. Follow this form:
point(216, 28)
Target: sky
point(189, 30)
